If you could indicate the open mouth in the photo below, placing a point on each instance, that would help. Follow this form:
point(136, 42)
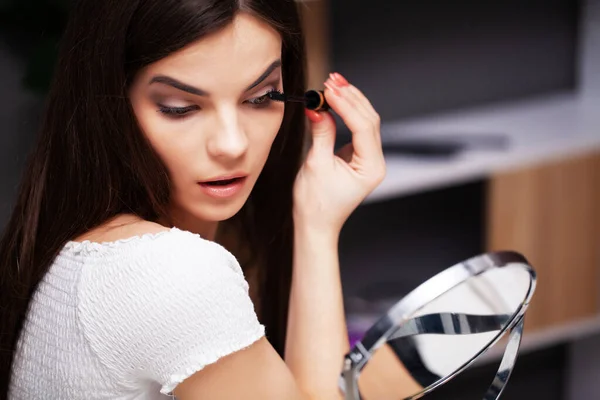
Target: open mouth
point(224, 182)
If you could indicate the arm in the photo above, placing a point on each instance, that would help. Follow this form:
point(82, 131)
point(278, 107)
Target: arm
point(385, 377)
point(317, 338)
point(327, 190)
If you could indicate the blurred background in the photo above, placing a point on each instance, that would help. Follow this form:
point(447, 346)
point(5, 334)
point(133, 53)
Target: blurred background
point(491, 128)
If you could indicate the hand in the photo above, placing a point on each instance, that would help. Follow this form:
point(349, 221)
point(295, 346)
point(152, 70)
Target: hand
point(330, 186)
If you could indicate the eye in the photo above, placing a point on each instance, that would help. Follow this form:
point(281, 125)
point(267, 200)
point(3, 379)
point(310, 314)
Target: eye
point(176, 112)
point(262, 101)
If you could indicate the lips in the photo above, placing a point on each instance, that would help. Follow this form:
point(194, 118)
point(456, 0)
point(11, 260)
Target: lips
point(223, 187)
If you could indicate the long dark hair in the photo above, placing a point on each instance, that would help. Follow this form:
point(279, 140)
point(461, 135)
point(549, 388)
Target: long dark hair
point(91, 162)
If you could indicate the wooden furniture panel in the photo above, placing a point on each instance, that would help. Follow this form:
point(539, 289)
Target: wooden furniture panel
point(315, 21)
point(551, 213)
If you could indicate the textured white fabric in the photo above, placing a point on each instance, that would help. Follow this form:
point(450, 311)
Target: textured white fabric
point(131, 319)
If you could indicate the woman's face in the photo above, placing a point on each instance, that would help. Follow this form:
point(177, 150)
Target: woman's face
point(205, 112)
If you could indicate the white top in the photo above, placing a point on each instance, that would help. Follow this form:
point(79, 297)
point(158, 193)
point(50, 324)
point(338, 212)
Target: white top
point(131, 319)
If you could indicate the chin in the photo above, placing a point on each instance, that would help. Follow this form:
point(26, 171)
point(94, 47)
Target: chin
point(218, 215)
point(217, 212)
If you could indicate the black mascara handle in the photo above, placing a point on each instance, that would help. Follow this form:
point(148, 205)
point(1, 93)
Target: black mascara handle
point(315, 100)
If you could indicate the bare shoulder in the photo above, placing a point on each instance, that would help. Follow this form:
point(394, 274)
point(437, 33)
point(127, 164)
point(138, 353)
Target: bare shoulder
point(121, 227)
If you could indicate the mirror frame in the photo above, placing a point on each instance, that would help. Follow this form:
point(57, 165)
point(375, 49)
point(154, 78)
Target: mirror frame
point(402, 311)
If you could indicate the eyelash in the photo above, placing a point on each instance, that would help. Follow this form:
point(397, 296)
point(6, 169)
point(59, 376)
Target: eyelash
point(176, 112)
point(264, 100)
point(181, 112)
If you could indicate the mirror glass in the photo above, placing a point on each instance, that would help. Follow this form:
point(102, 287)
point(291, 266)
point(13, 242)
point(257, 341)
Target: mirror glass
point(446, 334)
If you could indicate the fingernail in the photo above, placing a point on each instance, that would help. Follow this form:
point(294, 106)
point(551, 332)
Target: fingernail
point(329, 85)
point(313, 115)
point(339, 79)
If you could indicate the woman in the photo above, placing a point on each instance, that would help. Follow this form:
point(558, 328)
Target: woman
point(159, 142)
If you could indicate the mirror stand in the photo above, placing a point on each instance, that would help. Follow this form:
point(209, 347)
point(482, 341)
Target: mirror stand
point(482, 299)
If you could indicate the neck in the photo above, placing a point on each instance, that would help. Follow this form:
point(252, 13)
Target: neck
point(206, 229)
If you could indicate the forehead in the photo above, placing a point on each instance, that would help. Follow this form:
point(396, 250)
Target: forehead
point(237, 54)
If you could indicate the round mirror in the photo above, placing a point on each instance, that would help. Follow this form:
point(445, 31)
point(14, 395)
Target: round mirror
point(440, 328)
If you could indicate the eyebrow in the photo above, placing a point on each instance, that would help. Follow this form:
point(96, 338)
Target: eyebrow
point(274, 65)
point(199, 92)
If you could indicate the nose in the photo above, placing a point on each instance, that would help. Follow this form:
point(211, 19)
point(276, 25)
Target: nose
point(229, 140)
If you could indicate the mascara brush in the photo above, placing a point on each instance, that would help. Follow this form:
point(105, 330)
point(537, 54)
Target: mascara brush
point(312, 99)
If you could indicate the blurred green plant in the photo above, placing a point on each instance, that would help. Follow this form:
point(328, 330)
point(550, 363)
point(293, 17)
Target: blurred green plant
point(32, 29)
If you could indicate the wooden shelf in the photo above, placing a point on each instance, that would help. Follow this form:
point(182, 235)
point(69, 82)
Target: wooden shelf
point(315, 24)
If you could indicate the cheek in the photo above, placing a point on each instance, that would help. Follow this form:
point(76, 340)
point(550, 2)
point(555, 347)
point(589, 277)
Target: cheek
point(172, 141)
point(263, 129)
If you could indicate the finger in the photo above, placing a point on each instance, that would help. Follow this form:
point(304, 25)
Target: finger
point(337, 83)
point(376, 160)
point(359, 99)
point(364, 126)
point(364, 101)
point(322, 127)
